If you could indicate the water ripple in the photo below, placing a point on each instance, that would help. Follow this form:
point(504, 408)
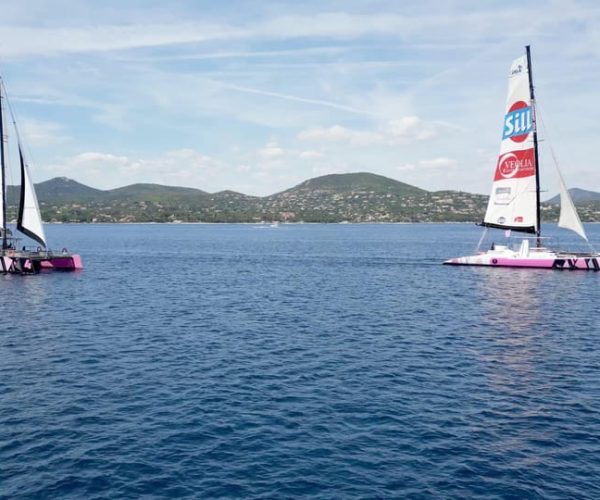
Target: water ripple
point(321, 361)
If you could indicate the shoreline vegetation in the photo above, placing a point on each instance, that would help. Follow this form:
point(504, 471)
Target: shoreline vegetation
point(336, 198)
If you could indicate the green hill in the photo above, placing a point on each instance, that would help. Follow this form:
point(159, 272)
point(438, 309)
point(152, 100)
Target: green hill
point(153, 192)
point(63, 189)
point(361, 181)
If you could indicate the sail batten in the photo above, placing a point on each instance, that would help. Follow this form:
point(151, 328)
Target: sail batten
point(29, 220)
point(513, 203)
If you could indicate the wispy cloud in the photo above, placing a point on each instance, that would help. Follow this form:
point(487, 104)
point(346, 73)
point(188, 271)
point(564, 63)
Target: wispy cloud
point(412, 128)
point(337, 133)
point(439, 162)
point(402, 130)
point(28, 41)
point(42, 133)
point(107, 170)
point(417, 28)
point(305, 100)
point(271, 151)
point(310, 155)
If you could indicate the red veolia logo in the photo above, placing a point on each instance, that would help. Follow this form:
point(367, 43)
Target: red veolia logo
point(515, 165)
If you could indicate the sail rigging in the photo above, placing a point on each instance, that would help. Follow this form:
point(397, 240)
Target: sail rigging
point(568, 218)
point(29, 219)
point(3, 227)
point(513, 201)
point(514, 204)
point(16, 258)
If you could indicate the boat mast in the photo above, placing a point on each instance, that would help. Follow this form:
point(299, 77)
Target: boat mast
point(538, 229)
point(2, 172)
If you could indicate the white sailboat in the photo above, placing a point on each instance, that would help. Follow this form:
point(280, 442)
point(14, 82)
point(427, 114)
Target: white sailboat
point(14, 258)
point(514, 203)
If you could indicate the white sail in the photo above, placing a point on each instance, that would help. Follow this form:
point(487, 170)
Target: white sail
point(569, 218)
point(29, 221)
point(513, 202)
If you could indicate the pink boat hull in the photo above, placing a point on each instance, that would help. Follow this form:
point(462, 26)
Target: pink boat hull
point(32, 263)
point(65, 263)
point(567, 262)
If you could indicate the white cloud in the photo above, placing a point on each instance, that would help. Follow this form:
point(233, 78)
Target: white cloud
point(271, 151)
point(310, 155)
point(411, 128)
point(405, 129)
point(95, 158)
point(104, 170)
point(337, 133)
point(42, 133)
point(439, 162)
point(407, 167)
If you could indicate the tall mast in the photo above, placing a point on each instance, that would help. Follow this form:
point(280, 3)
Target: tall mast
point(538, 229)
point(2, 173)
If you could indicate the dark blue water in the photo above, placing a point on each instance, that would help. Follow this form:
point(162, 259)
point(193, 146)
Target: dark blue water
point(329, 361)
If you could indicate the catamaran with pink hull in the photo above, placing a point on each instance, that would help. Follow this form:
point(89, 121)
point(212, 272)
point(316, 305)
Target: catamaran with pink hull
point(14, 257)
point(514, 204)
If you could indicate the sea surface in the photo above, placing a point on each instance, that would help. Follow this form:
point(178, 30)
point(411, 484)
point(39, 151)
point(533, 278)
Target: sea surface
point(319, 361)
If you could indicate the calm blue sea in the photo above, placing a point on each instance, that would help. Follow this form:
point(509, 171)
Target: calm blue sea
point(324, 361)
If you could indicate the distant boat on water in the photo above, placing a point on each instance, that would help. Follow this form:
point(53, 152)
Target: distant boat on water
point(15, 258)
point(514, 204)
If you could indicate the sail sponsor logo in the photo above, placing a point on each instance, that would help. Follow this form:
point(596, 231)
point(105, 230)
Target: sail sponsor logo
point(518, 122)
point(517, 70)
point(503, 196)
point(515, 165)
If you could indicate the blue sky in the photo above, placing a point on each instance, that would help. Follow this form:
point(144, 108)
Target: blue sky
point(257, 96)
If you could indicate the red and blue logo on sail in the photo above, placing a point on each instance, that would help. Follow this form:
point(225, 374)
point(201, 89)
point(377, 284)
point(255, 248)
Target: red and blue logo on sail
point(518, 122)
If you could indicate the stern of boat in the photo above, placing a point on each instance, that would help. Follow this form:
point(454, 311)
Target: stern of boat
point(63, 262)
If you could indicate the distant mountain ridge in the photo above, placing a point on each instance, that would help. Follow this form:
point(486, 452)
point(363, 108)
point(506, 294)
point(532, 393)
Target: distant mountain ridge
point(353, 197)
point(578, 196)
point(359, 181)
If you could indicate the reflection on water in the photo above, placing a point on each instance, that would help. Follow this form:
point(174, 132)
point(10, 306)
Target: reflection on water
point(511, 309)
point(519, 345)
point(511, 298)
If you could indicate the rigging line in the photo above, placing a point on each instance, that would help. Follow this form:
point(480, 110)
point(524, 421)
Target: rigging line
point(555, 160)
point(547, 136)
point(481, 239)
point(13, 117)
point(8, 172)
point(23, 145)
